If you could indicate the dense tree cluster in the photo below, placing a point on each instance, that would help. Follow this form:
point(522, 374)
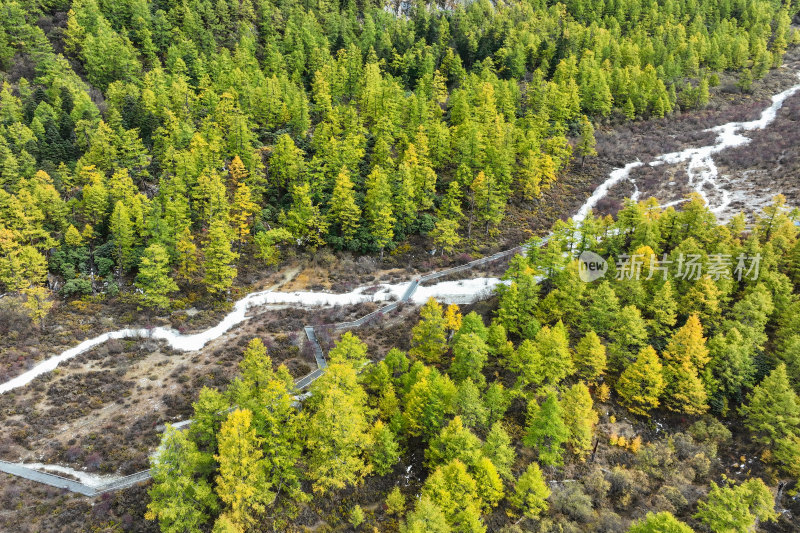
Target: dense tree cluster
point(662, 333)
point(164, 139)
point(496, 410)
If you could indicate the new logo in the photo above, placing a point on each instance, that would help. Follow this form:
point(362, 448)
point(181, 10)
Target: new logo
point(591, 266)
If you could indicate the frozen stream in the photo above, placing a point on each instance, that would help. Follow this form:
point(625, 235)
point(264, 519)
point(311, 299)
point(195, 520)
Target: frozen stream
point(703, 177)
point(460, 292)
point(703, 174)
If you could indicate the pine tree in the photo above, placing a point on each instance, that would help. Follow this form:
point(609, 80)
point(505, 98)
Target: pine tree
point(445, 235)
point(344, 211)
point(218, 259)
point(95, 198)
point(546, 431)
point(499, 345)
point(590, 357)
point(472, 323)
point(209, 412)
point(256, 368)
point(468, 405)
point(224, 524)
point(526, 362)
point(586, 142)
point(565, 303)
point(703, 96)
point(497, 400)
point(732, 366)
point(470, 354)
point(629, 335)
point(703, 299)
point(395, 502)
point(122, 230)
point(752, 313)
point(268, 243)
point(242, 209)
point(553, 347)
point(186, 250)
point(603, 311)
point(428, 339)
point(787, 454)
point(356, 516)
point(286, 163)
point(153, 277)
point(423, 176)
point(580, 418)
point(498, 448)
point(629, 110)
point(737, 508)
point(454, 442)
point(180, 499)
point(304, 220)
point(238, 172)
point(445, 232)
point(269, 394)
point(454, 490)
point(663, 522)
point(349, 350)
point(450, 207)
point(427, 517)
point(242, 482)
point(452, 319)
point(385, 450)
point(37, 303)
point(531, 492)
point(429, 399)
point(378, 208)
point(210, 199)
point(663, 309)
point(518, 306)
point(684, 358)
point(72, 237)
point(121, 187)
point(321, 90)
point(338, 432)
point(405, 207)
point(488, 205)
point(772, 411)
point(489, 485)
point(641, 384)
point(537, 171)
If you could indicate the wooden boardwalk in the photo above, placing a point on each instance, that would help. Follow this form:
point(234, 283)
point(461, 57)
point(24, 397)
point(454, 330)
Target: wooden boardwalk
point(301, 384)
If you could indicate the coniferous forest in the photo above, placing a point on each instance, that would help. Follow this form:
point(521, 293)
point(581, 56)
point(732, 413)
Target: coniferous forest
point(502, 412)
point(154, 142)
point(160, 160)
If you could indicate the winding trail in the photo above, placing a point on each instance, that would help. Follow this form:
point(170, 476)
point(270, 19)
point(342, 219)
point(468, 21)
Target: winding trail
point(703, 176)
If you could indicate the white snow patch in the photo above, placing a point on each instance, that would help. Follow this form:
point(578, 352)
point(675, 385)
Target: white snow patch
point(617, 175)
point(460, 292)
point(91, 480)
point(702, 172)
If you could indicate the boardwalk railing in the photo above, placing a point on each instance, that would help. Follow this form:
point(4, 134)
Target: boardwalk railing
point(72, 485)
point(301, 384)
